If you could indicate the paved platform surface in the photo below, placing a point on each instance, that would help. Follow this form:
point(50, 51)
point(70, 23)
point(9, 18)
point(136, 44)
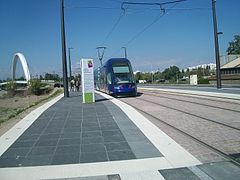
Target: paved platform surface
point(71, 132)
point(107, 140)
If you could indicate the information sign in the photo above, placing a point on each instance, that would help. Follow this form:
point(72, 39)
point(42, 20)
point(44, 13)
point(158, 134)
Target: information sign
point(87, 80)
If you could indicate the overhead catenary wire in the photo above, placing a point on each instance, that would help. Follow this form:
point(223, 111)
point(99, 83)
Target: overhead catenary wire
point(113, 28)
point(149, 25)
point(139, 33)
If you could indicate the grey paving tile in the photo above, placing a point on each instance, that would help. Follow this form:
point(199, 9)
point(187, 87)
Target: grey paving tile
point(54, 124)
point(103, 115)
point(71, 149)
point(50, 142)
point(130, 132)
point(147, 153)
point(86, 124)
point(93, 157)
point(91, 128)
point(65, 159)
point(28, 138)
point(90, 119)
point(16, 152)
point(120, 155)
point(199, 173)
point(92, 140)
point(117, 146)
point(73, 119)
point(131, 128)
point(90, 178)
point(11, 161)
point(37, 160)
point(112, 133)
point(37, 126)
point(60, 121)
point(49, 136)
point(105, 123)
point(71, 135)
point(33, 131)
point(221, 170)
point(72, 130)
point(106, 120)
point(72, 125)
point(52, 130)
point(22, 144)
point(36, 151)
point(91, 134)
point(108, 139)
point(110, 127)
point(179, 173)
point(64, 142)
point(93, 148)
point(114, 177)
point(136, 138)
point(144, 149)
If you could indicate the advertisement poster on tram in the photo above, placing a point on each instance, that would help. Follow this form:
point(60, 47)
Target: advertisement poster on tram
point(87, 80)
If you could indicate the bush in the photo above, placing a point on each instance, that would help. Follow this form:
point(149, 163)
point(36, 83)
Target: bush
point(35, 86)
point(203, 81)
point(11, 87)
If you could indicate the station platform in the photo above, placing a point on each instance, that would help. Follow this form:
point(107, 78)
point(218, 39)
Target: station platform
point(108, 139)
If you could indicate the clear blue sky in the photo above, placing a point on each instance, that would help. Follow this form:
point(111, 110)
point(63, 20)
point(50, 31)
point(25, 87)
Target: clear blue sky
point(180, 37)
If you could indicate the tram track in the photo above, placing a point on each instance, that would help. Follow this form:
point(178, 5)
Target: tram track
point(191, 114)
point(205, 144)
point(188, 101)
point(197, 96)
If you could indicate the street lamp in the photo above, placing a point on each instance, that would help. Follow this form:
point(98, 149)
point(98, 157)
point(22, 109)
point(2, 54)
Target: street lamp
point(69, 60)
point(64, 62)
point(125, 51)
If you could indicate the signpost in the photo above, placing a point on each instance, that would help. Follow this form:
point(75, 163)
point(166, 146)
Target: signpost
point(87, 80)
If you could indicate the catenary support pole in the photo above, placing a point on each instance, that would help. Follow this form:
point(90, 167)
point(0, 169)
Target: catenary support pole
point(64, 62)
point(218, 71)
point(69, 64)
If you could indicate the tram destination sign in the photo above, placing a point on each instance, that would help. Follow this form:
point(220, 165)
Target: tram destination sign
point(87, 79)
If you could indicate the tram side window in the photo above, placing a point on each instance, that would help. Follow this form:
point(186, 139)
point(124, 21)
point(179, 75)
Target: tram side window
point(109, 78)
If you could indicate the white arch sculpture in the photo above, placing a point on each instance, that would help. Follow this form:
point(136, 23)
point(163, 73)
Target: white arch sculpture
point(19, 56)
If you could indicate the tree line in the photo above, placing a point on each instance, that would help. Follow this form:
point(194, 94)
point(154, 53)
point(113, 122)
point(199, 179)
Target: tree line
point(173, 74)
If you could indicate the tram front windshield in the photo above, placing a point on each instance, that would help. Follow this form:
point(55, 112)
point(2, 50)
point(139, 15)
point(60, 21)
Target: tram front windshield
point(122, 73)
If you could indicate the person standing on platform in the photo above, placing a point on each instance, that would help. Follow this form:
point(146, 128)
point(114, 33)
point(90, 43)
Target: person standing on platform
point(72, 85)
point(77, 84)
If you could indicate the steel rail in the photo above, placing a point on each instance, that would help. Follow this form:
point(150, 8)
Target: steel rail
point(188, 101)
point(223, 154)
point(206, 119)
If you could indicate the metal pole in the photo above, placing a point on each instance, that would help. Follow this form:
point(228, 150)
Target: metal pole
point(69, 60)
point(100, 55)
point(125, 51)
point(218, 71)
point(64, 62)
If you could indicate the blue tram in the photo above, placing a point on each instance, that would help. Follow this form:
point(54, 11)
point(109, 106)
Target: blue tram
point(116, 78)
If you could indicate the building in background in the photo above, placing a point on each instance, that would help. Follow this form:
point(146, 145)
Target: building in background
point(230, 70)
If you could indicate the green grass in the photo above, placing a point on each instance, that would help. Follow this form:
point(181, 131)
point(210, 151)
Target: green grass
point(8, 113)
